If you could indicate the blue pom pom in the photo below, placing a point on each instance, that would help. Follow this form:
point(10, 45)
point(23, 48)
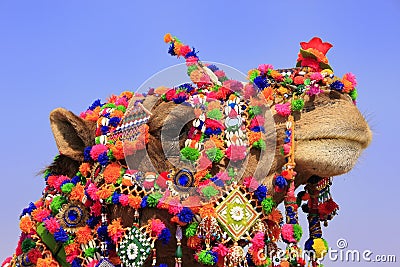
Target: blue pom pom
point(102, 232)
point(165, 236)
point(76, 263)
point(61, 235)
point(143, 204)
point(258, 129)
point(115, 197)
point(86, 153)
point(181, 98)
point(192, 53)
point(261, 82)
point(261, 192)
point(95, 104)
point(208, 131)
point(31, 207)
point(104, 129)
point(337, 85)
point(187, 87)
point(280, 182)
point(93, 221)
point(76, 179)
point(213, 67)
point(163, 265)
point(114, 121)
point(103, 158)
point(171, 50)
point(218, 182)
point(186, 215)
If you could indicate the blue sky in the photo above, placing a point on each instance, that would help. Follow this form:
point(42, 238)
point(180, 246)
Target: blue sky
point(66, 54)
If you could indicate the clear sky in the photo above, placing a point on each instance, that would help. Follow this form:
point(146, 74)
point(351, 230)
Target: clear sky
point(68, 53)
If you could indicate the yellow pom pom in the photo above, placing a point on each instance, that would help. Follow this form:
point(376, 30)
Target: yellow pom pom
point(320, 247)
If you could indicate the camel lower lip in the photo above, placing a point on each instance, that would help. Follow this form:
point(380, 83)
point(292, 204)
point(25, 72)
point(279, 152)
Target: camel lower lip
point(359, 142)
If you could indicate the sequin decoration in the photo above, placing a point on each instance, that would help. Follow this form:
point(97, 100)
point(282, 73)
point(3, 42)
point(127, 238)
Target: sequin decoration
point(72, 215)
point(134, 248)
point(236, 215)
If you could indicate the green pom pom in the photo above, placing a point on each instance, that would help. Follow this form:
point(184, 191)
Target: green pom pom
point(288, 80)
point(164, 97)
point(27, 245)
point(121, 108)
point(206, 258)
point(215, 114)
point(67, 188)
point(191, 229)
point(89, 252)
point(254, 111)
point(307, 82)
point(108, 105)
point(215, 154)
point(209, 191)
point(57, 203)
point(353, 94)
point(253, 74)
point(267, 205)
point(189, 153)
point(153, 199)
point(297, 104)
point(191, 68)
point(297, 232)
point(260, 144)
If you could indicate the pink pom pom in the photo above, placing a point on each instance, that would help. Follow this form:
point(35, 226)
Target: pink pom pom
point(51, 225)
point(283, 109)
point(314, 90)
point(316, 76)
point(257, 121)
point(59, 181)
point(351, 78)
point(219, 73)
point(249, 91)
point(286, 148)
point(92, 190)
point(191, 61)
point(97, 150)
point(221, 250)
point(236, 153)
point(175, 207)
point(122, 102)
point(265, 67)
point(287, 233)
point(250, 182)
point(258, 241)
point(92, 263)
point(124, 200)
point(156, 227)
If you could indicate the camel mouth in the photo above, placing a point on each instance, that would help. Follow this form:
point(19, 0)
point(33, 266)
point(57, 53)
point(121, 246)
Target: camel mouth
point(359, 137)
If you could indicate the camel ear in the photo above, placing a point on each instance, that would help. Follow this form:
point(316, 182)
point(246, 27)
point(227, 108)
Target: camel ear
point(72, 133)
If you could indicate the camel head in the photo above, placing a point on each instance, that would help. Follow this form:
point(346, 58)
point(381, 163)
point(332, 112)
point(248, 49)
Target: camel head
point(168, 167)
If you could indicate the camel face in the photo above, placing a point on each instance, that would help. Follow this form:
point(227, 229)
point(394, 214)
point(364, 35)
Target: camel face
point(213, 156)
point(330, 135)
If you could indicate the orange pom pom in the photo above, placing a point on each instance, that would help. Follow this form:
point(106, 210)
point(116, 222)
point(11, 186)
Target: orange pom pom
point(77, 192)
point(83, 235)
point(168, 38)
point(84, 169)
point(112, 173)
point(134, 201)
point(26, 225)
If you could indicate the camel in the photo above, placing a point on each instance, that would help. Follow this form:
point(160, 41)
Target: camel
point(139, 168)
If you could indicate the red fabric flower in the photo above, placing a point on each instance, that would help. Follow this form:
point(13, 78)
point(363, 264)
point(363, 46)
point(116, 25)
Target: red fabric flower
point(34, 255)
point(316, 43)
